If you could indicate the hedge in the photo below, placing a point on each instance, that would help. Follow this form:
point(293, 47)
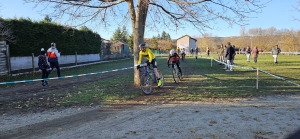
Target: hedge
point(32, 36)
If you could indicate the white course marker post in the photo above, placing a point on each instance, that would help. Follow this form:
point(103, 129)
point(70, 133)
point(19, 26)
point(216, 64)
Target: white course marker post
point(211, 61)
point(257, 78)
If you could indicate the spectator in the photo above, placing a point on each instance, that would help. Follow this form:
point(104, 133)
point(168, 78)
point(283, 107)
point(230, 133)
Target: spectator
point(182, 54)
point(261, 50)
point(224, 56)
point(255, 54)
point(43, 66)
point(53, 56)
point(230, 53)
point(196, 53)
point(234, 54)
point(207, 51)
point(221, 54)
point(275, 52)
point(248, 53)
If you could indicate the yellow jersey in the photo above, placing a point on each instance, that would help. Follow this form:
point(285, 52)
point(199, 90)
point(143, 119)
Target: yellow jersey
point(148, 54)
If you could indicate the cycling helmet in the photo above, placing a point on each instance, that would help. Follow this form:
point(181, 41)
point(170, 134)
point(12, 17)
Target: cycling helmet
point(53, 44)
point(172, 52)
point(142, 45)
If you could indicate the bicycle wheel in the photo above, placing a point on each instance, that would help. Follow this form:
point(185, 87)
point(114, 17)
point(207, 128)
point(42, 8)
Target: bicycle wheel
point(161, 79)
point(180, 75)
point(146, 84)
point(175, 74)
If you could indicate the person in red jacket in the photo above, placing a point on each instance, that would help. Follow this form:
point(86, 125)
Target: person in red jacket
point(53, 56)
point(175, 59)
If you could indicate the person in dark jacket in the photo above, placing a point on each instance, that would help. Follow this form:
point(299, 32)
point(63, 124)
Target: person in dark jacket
point(248, 53)
point(43, 66)
point(53, 56)
point(230, 53)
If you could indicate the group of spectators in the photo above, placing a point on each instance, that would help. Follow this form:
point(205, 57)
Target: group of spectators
point(227, 53)
point(52, 54)
point(254, 52)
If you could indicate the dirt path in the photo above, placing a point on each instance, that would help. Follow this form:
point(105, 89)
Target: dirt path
point(258, 118)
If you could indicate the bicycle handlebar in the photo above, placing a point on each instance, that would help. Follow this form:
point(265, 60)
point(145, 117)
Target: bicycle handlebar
point(148, 66)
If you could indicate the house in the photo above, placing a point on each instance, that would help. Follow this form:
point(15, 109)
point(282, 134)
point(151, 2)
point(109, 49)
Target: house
point(186, 42)
point(122, 47)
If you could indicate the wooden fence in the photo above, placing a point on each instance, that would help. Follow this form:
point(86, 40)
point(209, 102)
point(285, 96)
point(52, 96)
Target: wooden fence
point(4, 59)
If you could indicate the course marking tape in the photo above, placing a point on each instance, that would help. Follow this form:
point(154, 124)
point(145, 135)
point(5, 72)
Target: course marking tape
point(80, 65)
point(63, 77)
point(278, 77)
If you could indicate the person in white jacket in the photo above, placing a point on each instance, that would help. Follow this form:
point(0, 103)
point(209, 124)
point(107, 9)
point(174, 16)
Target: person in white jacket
point(53, 56)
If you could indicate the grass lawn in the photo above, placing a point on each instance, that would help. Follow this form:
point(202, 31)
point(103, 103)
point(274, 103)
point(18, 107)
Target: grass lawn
point(203, 79)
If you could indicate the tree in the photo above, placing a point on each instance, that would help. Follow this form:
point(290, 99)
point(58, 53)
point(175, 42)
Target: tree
point(124, 34)
point(154, 43)
point(47, 18)
point(165, 45)
point(5, 32)
point(121, 35)
point(84, 28)
point(163, 35)
point(173, 15)
point(130, 42)
point(117, 35)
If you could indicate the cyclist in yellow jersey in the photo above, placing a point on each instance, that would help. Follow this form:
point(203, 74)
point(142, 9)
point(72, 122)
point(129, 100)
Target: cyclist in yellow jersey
point(146, 52)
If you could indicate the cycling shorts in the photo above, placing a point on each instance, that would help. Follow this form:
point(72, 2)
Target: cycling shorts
point(153, 63)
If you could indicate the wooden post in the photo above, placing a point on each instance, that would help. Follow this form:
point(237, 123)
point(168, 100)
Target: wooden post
point(211, 59)
point(75, 58)
point(8, 60)
point(33, 69)
point(257, 78)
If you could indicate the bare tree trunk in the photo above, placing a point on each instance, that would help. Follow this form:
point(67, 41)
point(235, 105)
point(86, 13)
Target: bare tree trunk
point(138, 19)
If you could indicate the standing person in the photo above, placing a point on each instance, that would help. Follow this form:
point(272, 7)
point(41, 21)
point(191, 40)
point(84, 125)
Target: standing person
point(248, 53)
point(230, 53)
point(275, 52)
point(207, 51)
point(224, 56)
point(196, 53)
point(182, 54)
point(255, 52)
point(147, 53)
point(221, 54)
point(43, 66)
point(175, 58)
point(53, 56)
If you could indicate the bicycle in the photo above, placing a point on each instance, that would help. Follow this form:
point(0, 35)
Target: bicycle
point(148, 78)
point(177, 75)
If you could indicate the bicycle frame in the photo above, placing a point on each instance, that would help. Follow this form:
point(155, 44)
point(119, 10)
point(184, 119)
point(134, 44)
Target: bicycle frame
point(147, 79)
point(151, 73)
point(175, 72)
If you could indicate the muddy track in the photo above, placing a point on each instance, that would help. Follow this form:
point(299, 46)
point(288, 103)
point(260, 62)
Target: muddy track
point(68, 122)
point(27, 90)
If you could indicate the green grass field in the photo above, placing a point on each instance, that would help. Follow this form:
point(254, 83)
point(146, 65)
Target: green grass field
point(203, 79)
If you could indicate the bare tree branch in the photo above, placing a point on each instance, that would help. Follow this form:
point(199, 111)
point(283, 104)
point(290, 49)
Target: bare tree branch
point(5, 33)
point(153, 14)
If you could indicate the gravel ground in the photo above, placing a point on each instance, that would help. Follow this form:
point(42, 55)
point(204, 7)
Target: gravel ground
point(272, 117)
